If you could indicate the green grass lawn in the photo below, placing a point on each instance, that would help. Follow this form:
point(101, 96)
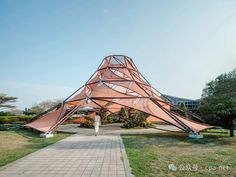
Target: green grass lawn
point(15, 144)
point(176, 155)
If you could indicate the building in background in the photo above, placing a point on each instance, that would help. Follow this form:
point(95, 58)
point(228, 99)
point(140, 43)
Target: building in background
point(191, 105)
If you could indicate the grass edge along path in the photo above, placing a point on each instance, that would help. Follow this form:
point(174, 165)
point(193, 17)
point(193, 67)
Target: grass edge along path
point(15, 144)
point(174, 154)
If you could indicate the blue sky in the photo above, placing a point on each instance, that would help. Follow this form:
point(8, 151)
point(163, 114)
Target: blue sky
point(48, 49)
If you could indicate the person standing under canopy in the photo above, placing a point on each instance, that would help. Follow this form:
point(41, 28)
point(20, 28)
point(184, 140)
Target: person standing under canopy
point(96, 123)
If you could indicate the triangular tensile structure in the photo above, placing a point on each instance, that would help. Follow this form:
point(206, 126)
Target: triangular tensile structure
point(116, 83)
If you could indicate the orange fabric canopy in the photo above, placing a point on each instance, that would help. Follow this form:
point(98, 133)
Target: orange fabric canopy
point(117, 83)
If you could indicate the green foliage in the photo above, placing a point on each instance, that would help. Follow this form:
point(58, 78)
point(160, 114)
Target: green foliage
point(106, 119)
point(122, 114)
point(111, 118)
point(218, 105)
point(3, 113)
point(4, 100)
point(44, 106)
point(11, 112)
point(4, 127)
point(89, 123)
point(28, 111)
point(183, 110)
point(135, 118)
point(14, 119)
point(103, 115)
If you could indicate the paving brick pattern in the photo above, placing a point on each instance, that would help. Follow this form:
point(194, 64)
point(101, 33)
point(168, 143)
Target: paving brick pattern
point(78, 155)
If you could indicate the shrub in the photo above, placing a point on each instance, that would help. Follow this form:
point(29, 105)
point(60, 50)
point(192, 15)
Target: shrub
point(89, 123)
point(3, 119)
point(14, 119)
point(111, 118)
point(122, 114)
point(103, 115)
point(136, 119)
point(2, 113)
point(9, 127)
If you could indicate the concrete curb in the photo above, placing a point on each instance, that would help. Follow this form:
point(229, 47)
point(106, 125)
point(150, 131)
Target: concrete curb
point(125, 159)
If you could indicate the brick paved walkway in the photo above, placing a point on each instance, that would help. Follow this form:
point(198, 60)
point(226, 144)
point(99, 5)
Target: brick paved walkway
point(78, 155)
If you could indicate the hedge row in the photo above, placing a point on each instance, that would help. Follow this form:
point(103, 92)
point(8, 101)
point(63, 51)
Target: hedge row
point(14, 119)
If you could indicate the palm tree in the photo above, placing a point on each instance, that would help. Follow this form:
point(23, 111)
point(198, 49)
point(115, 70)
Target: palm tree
point(4, 100)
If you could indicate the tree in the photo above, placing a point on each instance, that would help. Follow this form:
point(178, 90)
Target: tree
point(133, 118)
point(15, 112)
point(183, 110)
point(218, 105)
point(5, 101)
point(103, 114)
point(122, 114)
point(28, 112)
point(44, 106)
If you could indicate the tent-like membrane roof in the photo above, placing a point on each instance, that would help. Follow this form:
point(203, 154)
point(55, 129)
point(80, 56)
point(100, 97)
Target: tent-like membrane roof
point(116, 83)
